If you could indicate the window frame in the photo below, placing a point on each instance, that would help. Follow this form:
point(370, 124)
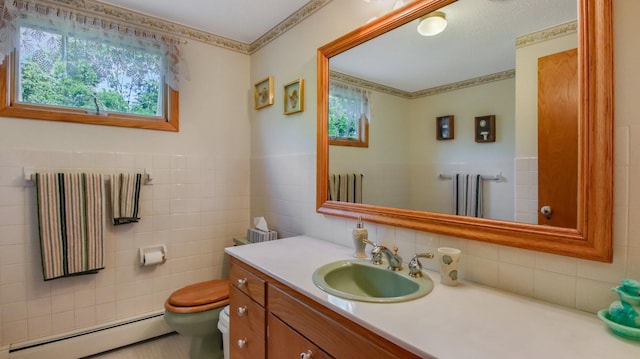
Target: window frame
point(363, 121)
point(9, 107)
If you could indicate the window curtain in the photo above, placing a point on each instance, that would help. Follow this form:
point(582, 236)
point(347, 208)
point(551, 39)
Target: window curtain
point(17, 12)
point(359, 101)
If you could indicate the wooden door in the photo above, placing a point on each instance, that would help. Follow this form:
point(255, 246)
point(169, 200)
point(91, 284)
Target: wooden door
point(558, 138)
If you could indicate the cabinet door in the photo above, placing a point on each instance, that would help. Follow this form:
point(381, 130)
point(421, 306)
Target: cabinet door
point(246, 327)
point(335, 334)
point(284, 342)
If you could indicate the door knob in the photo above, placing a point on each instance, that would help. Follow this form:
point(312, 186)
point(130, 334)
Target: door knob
point(546, 211)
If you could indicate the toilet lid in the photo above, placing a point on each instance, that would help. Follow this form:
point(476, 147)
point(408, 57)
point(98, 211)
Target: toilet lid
point(200, 293)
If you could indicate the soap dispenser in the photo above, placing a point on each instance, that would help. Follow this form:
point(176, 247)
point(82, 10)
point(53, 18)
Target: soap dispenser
point(359, 233)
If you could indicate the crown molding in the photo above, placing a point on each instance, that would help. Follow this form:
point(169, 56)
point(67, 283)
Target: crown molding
point(476, 81)
point(547, 34)
point(142, 21)
point(481, 80)
point(288, 23)
point(355, 81)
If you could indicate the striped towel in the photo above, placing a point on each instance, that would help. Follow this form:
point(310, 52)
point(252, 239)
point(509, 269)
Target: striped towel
point(467, 195)
point(343, 187)
point(354, 187)
point(125, 196)
point(71, 223)
point(334, 183)
point(346, 187)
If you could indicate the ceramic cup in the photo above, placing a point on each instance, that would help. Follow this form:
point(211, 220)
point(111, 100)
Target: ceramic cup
point(449, 258)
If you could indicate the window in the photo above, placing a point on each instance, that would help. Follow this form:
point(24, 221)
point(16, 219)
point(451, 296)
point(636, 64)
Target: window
point(77, 74)
point(348, 115)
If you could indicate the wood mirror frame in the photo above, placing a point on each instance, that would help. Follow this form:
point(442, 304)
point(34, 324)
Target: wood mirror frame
point(592, 239)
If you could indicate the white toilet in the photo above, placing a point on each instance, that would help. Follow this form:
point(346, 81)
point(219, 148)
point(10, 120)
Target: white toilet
point(194, 310)
point(223, 325)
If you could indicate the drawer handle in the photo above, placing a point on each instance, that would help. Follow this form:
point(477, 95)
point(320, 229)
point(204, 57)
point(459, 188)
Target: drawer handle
point(241, 282)
point(242, 310)
point(242, 342)
point(306, 355)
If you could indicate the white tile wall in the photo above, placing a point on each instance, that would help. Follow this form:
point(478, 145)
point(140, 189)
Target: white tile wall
point(526, 188)
point(195, 205)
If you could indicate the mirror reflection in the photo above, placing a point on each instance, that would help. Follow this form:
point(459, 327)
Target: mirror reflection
point(460, 122)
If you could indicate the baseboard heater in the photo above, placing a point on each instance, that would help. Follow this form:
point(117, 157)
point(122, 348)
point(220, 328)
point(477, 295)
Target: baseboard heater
point(94, 340)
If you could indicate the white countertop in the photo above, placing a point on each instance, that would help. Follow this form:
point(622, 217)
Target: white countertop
point(466, 321)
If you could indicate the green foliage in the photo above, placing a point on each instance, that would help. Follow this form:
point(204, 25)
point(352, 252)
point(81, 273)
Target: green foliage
point(340, 126)
point(37, 86)
point(71, 72)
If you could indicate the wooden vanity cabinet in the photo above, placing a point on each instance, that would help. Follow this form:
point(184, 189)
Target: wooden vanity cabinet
point(295, 326)
point(336, 335)
point(247, 324)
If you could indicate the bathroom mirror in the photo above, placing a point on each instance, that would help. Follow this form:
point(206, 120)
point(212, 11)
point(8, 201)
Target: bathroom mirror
point(590, 238)
point(410, 164)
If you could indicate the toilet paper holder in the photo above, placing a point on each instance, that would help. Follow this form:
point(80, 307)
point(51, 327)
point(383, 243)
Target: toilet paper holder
point(150, 251)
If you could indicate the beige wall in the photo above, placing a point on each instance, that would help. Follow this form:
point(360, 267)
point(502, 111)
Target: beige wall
point(198, 201)
point(385, 163)
point(462, 154)
point(403, 160)
point(283, 173)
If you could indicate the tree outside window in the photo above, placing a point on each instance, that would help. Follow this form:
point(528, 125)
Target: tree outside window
point(67, 71)
point(348, 115)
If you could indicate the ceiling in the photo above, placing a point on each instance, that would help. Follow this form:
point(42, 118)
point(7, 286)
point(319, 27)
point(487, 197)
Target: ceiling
point(240, 20)
point(479, 39)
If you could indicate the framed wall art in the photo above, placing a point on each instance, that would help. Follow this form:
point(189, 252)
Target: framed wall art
point(263, 93)
point(294, 97)
point(485, 128)
point(444, 127)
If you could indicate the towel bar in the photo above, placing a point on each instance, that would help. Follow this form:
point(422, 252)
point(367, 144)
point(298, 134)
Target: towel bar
point(496, 178)
point(29, 173)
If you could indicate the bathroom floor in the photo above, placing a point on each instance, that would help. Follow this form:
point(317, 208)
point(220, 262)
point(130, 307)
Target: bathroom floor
point(170, 346)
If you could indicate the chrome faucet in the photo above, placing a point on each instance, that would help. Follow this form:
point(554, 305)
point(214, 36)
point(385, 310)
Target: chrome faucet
point(395, 261)
point(376, 258)
point(415, 267)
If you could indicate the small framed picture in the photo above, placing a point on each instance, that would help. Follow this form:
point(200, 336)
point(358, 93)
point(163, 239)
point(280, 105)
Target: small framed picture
point(486, 128)
point(444, 127)
point(294, 97)
point(263, 93)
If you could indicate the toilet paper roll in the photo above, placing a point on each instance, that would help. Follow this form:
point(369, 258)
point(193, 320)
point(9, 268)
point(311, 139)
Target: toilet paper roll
point(152, 258)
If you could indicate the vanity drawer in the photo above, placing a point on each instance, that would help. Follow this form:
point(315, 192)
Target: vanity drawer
point(284, 342)
point(336, 335)
point(246, 326)
point(247, 282)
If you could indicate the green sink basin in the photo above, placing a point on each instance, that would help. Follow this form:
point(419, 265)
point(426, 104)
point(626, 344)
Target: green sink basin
point(363, 281)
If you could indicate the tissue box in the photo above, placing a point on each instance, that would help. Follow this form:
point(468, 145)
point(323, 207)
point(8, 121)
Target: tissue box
point(256, 235)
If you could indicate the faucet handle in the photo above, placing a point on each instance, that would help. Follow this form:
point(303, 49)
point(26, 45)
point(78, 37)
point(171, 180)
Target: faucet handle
point(365, 240)
point(415, 267)
point(376, 254)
